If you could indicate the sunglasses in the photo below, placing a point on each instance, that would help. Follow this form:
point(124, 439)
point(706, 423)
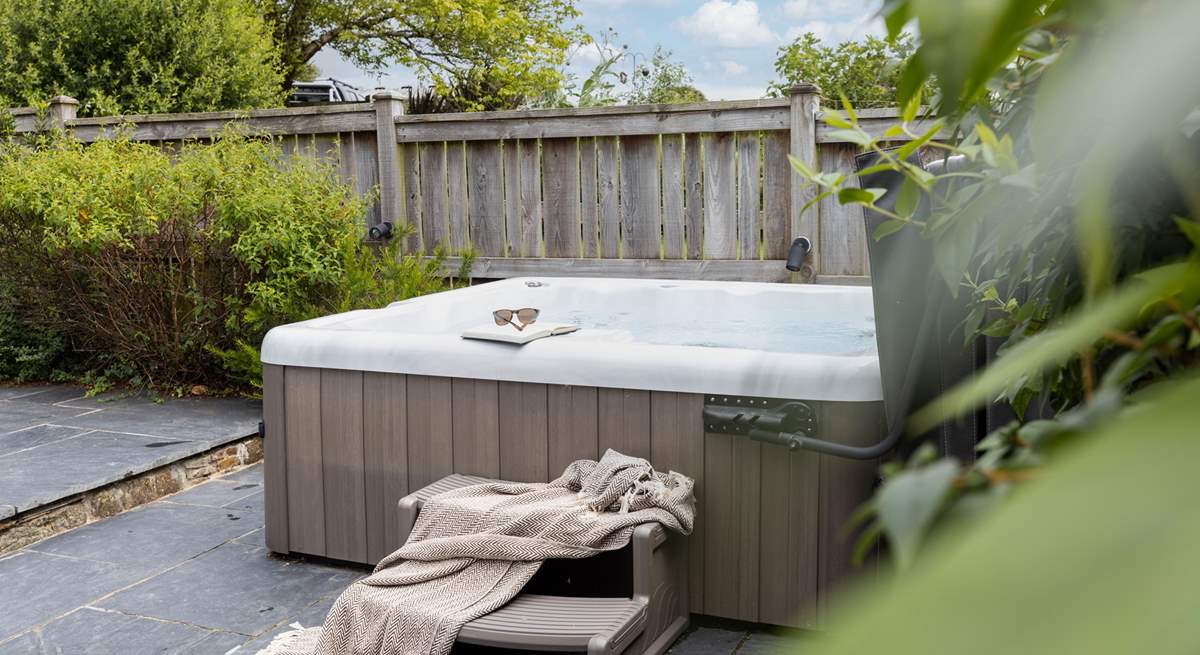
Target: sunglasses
point(524, 317)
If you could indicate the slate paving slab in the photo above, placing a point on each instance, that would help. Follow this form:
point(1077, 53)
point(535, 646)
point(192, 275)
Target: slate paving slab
point(152, 538)
point(99, 632)
point(217, 493)
point(39, 587)
point(39, 476)
point(35, 436)
point(234, 587)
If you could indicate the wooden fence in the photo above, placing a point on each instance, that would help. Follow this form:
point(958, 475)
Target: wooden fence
point(699, 191)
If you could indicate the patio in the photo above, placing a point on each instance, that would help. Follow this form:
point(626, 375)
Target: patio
point(185, 574)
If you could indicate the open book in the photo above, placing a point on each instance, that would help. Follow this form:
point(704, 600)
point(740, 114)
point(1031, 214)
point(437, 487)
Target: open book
point(509, 334)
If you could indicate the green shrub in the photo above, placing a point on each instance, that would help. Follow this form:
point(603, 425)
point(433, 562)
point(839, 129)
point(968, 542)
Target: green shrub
point(166, 270)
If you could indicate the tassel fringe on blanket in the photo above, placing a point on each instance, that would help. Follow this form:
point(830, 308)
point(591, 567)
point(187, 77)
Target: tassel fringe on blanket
point(473, 549)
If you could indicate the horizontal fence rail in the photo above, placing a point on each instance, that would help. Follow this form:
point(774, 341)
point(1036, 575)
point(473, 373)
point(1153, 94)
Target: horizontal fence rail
point(693, 191)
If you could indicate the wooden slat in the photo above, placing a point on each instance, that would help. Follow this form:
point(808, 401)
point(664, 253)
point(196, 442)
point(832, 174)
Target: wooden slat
point(640, 199)
point(770, 114)
point(305, 478)
point(672, 196)
point(531, 199)
point(720, 199)
point(325, 146)
point(435, 228)
point(668, 269)
point(608, 176)
point(486, 206)
point(845, 485)
point(456, 186)
point(748, 485)
point(342, 462)
point(719, 513)
point(512, 198)
point(774, 587)
point(589, 193)
point(623, 417)
point(803, 146)
point(560, 171)
point(410, 161)
point(676, 444)
point(524, 433)
point(430, 430)
point(573, 428)
point(777, 172)
point(206, 125)
point(749, 189)
point(476, 427)
point(275, 486)
point(694, 195)
point(366, 172)
point(803, 539)
point(385, 459)
point(842, 227)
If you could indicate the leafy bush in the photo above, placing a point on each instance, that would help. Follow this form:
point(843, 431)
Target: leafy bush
point(139, 56)
point(867, 73)
point(168, 269)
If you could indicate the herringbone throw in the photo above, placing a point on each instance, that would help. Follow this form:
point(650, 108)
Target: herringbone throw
point(474, 548)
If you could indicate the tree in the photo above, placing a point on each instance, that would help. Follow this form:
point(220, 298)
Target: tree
point(138, 56)
point(865, 72)
point(662, 81)
point(500, 50)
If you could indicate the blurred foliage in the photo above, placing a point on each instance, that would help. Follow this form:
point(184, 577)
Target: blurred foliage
point(623, 77)
point(156, 268)
point(1071, 233)
point(489, 54)
point(138, 56)
point(864, 72)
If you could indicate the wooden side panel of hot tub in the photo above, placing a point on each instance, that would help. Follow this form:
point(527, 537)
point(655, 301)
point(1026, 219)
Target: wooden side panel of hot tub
point(342, 447)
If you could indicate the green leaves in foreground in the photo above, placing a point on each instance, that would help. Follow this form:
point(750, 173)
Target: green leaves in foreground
point(1096, 556)
point(1057, 345)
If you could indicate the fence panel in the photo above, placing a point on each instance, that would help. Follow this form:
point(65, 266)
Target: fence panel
point(567, 191)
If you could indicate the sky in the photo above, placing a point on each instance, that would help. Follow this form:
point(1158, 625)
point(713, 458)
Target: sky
point(729, 46)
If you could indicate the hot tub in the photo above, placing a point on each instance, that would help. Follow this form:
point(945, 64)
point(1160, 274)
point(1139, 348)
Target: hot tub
point(362, 407)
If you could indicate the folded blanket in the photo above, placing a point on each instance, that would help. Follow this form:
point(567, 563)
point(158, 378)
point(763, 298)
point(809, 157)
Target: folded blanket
point(474, 548)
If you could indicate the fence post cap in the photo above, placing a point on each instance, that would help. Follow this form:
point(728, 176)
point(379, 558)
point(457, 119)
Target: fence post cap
point(385, 95)
point(63, 100)
point(804, 88)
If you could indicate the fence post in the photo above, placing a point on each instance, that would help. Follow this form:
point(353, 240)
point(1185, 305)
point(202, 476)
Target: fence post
point(61, 110)
point(387, 108)
point(806, 102)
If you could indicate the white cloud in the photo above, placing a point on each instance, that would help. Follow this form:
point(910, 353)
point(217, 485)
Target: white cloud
point(832, 21)
point(731, 91)
point(732, 67)
point(736, 24)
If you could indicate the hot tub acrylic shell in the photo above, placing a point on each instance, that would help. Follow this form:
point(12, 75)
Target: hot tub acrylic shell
point(352, 427)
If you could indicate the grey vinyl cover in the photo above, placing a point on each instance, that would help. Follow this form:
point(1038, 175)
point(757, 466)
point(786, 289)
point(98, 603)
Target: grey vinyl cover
point(906, 290)
point(598, 626)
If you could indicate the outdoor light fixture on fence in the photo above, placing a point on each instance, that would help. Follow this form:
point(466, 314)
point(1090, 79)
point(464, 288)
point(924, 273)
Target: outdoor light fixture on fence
point(380, 231)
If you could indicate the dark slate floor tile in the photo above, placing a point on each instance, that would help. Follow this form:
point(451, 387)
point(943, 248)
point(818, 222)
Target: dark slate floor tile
point(252, 505)
point(211, 419)
point(312, 616)
point(34, 436)
point(152, 538)
point(708, 641)
point(38, 587)
point(56, 393)
point(10, 392)
point(41, 475)
point(100, 632)
point(257, 538)
point(235, 587)
point(20, 414)
point(218, 642)
point(766, 643)
point(252, 473)
point(215, 493)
